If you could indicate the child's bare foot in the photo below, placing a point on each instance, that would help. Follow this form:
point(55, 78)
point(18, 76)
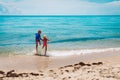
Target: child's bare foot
point(36, 54)
point(46, 56)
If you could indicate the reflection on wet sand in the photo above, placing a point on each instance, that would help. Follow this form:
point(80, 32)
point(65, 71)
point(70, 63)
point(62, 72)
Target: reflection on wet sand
point(41, 62)
point(21, 62)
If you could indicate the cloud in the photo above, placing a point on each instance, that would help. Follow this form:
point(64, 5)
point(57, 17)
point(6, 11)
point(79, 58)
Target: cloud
point(101, 1)
point(112, 8)
point(56, 7)
point(6, 9)
point(10, 0)
point(3, 10)
point(64, 7)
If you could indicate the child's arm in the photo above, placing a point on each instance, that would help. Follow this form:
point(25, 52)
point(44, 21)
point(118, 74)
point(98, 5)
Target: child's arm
point(48, 39)
point(41, 38)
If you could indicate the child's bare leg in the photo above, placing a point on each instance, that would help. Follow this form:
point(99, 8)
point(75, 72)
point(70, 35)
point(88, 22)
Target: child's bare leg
point(39, 43)
point(36, 49)
point(45, 49)
point(42, 46)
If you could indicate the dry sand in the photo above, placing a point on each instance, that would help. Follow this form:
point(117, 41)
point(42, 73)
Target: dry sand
point(96, 66)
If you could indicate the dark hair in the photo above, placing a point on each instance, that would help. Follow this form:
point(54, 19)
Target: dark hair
point(39, 31)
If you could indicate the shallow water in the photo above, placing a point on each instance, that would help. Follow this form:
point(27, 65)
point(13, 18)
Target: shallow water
point(66, 33)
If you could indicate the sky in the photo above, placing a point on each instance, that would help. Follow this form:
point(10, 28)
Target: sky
point(59, 7)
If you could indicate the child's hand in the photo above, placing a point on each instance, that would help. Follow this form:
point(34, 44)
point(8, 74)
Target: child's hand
point(48, 39)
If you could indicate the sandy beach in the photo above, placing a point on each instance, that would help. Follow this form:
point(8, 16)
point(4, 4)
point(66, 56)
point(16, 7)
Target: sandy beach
point(82, 45)
point(95, 66)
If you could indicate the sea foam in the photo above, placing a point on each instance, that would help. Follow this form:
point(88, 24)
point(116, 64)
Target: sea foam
point(79, 52)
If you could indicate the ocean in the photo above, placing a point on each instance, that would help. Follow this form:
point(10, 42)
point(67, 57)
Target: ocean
point(68, 35)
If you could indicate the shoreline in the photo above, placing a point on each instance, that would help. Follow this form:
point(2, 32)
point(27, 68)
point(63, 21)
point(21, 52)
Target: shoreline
point(32, 61)
point(62, 68)
point(83, 57)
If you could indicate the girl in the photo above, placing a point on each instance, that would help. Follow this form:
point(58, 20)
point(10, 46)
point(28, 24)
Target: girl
point(45, 39)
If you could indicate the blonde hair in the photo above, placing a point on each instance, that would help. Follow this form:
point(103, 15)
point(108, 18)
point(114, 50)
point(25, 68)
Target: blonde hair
point(44, 36)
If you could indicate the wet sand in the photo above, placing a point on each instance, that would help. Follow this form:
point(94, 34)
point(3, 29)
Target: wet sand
point(95, 66)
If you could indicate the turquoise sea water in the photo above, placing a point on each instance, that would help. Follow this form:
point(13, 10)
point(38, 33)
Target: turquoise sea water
point(17, 33)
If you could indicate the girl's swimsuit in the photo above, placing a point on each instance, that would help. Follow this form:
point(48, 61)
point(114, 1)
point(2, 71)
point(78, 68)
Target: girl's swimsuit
point(45, 41)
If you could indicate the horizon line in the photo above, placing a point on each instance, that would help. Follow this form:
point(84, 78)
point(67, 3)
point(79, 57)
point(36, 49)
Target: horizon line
point(60, 15)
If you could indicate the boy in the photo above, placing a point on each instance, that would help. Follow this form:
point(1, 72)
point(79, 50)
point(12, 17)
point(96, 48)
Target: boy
point(37, 40)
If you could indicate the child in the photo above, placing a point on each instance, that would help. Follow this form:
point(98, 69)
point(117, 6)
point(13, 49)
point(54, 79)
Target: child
point(45, 39)
point(37, 40)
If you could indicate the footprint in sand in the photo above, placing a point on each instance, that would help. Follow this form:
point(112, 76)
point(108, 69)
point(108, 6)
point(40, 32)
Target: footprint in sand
point(2, 73)
point(51, 70)
point(117, 76)
point(106, 73)
point(41, 74)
